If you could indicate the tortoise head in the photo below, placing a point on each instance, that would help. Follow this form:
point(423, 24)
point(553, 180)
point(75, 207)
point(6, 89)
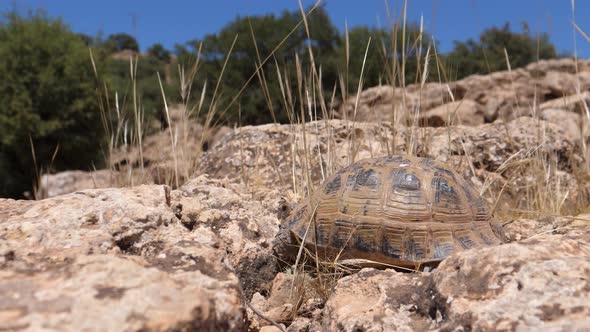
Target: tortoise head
point(284, 245)
point(284, 209)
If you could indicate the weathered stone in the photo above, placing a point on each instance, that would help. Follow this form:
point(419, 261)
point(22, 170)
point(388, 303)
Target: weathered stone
point(300, 324)
point(537, 284)
point(176, 252)
point(574, 103)
point(255, 155)
point(159, 161)
point(570, 122)
point(286, 294)
point(52, 185)
point(373, 300)
point(272, 328)
point(464, 112)
point(111, 293)
point(85, 222)
point(504, 95)
point(240, 224)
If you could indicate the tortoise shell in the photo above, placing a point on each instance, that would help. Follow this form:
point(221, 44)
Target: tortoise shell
point(402, 211)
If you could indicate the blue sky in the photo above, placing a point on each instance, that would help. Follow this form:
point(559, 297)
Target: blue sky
point(177, 21)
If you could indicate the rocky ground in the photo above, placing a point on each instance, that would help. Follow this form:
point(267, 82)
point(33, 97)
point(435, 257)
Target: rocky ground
point(199, 257)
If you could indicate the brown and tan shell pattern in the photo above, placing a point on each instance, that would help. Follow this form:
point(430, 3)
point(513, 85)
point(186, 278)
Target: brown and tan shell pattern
point(403, 211)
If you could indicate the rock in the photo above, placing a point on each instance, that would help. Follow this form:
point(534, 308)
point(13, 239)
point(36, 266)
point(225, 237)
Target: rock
point(61, 183)
point(162, 162)
point(286, 289)
point(255, 155)
point(158, 259)
point(272, 328)
point(300, 324)
point(242, 225)
point(86, 222)
point(522, 229)
point(504, 95)
point(286, 294)
point(380, 103)
point(574, 103)
point(465, 112)
point(536, 284)
point(110, 293)
point(569, 121)
point(67, 259)
point(373, 300)
point(564, 65)
point(561, 83)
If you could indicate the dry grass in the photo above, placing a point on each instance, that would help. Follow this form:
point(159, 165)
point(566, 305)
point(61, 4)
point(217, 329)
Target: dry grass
point(544, 192)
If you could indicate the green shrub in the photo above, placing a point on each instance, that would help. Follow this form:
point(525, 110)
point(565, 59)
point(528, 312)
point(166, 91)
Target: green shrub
point(487, 55)
point(159, 52)
point(121, 41)
point(47, 94)
point(149, 96)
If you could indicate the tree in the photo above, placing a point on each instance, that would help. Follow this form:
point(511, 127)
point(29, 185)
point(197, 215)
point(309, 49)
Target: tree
point(47, 97)
point(121, 41)
point(269, 32)
point(487, 54)
point(159, 52)
point(382, 56)
point(88, 41)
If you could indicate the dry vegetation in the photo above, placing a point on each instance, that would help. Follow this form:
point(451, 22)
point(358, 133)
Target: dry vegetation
point(545, 195)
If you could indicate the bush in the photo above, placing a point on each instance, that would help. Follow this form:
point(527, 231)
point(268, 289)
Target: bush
point(120, 42)
point(47, 95)
point(487, 54)
point(150, 100)
point(159, 52)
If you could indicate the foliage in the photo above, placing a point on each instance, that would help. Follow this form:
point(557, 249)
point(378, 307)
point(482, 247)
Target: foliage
point(117, 76)
point(159, 52)
point(121, 41)
point(48, 87)
point(329, 52)
point(384, 57)
point(269, 31)
point(487, 55)
point(47, 95)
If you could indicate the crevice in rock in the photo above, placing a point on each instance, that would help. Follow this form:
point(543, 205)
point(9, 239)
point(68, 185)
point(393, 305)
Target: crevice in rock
point(552, 95)
point(127, 243)
point(256, 274)
point(433, 301)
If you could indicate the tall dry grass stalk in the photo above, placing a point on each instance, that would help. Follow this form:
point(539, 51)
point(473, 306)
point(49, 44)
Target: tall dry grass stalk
point(307, 107)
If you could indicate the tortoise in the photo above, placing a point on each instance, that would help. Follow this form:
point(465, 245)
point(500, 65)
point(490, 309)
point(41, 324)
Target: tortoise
point(402, 211)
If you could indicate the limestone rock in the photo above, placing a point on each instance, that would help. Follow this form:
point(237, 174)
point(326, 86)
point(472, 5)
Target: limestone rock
point(569, 121)
point(536, 284)
point(111, 293)
point(381, 103)
point(300, 324)
point(504, 95)
point(145, 257)
point(574, 103)
point(61, 183)
point(86, 222)
point(373, 300)
point(464, 112)
point(257, 157)
point(241, 225)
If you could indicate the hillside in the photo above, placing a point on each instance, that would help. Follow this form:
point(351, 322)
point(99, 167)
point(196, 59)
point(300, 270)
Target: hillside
point(182, 237)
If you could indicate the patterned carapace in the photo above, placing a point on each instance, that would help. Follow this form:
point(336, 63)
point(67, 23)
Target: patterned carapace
point(404, 211)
